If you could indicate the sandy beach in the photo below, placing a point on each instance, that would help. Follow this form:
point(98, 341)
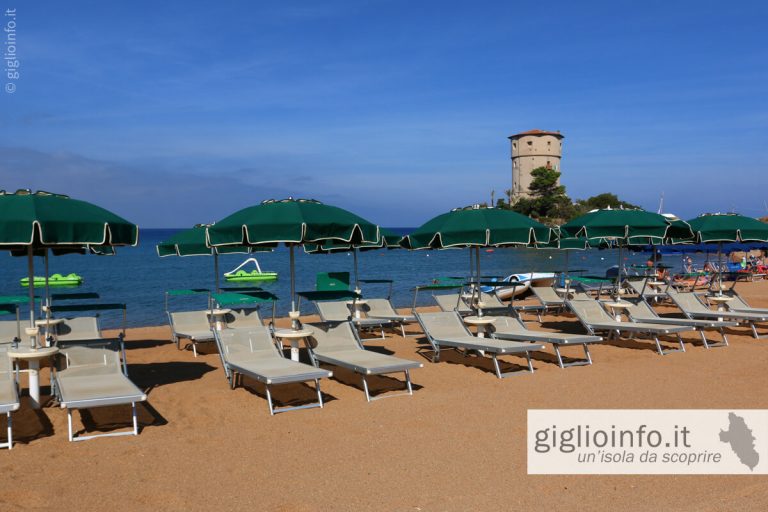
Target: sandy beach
point(457, 444)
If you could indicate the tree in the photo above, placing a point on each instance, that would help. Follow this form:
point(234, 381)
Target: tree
point(602, 201)
point(547, 199)
point(549, 203)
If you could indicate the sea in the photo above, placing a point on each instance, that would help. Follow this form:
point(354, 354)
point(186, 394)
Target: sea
point(137, 277)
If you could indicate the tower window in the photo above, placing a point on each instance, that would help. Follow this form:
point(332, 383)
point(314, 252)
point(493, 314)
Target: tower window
point(530, 143)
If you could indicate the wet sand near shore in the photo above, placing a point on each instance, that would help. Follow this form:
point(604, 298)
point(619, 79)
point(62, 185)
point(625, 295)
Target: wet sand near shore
point(457, 444)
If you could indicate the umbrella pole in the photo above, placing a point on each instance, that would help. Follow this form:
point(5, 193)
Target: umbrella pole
point(477, 286)
point(216, 268)
point(293, 314)
point(617, 296)
point(719, 268)
point(31, 271)
point(357, 279)
point(47, 286)
point(47, 300)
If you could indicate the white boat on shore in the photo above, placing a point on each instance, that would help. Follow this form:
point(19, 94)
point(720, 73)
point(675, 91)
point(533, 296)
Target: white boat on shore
point(526, 281)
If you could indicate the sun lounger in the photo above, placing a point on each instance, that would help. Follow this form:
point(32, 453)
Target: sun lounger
point(244, 318)
point(254, 354)
point(449, 302)
point(595, 319)
point(692, 307)
point(192, 325)
point(549, 299)
point(9, 331)
point(640, 311)
point(509, 328)
point(90, 374)
point(492, 305)
point(738, 304)
point(338, 345)
point(78, 328)
point(383, 309)
point(446, 329)
point(339, 311)
point(9, 395)
point(642, 289)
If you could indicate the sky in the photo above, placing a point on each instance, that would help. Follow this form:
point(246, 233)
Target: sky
point(175, 113)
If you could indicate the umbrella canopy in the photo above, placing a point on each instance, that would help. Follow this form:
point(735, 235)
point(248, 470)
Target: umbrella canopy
point(621, 228)
point(727, 227)
point(194, 242)
point(292, 222)
point(476, 226)
point(722, 228)
point(625, 227)
point(41, 220)
point(387, 240)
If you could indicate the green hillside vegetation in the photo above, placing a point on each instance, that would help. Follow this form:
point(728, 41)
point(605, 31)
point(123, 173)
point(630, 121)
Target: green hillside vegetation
point(550, 204)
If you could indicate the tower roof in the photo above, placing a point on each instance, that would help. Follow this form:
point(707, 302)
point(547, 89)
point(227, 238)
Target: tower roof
point(536, 131)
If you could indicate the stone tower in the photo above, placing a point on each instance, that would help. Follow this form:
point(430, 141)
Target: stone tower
point(532, 149)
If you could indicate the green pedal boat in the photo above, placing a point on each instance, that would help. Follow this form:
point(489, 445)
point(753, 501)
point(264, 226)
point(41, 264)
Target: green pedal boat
point(238, 275)
point(54, 280)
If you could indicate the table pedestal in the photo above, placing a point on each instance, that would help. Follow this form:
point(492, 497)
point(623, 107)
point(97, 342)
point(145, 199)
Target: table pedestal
point(33, 358)
point(294, 337)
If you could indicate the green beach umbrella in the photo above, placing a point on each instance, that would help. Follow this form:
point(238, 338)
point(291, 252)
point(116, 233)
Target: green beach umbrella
point(475, 227)
point(292, 222)
point(33, 222)
point(727, 227)
point(719, 228)
point(194, 242)
point(621, 228)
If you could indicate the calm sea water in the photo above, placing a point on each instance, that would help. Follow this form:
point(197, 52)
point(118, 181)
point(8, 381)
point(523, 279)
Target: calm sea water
point(138, 277)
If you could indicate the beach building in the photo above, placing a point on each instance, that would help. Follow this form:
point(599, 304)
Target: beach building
point(530, 150)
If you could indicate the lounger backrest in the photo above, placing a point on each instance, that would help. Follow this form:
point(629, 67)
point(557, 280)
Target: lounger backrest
point(490, 300)
point(637, 286)
point(244, 318)
point(546, 294)
point(510, 325)
point(333, 310)
point(190, 320)
point(736, 302)
point(444, 324)
point(448, 301)
point(589, 310)
point(79, 328)
point(380, 307)
point(581, 296)
point(688, 301)
point(6, 366)
point(339, 336)
point(9, 330)
point(639, 308)
point(99, 354)
point(254, 344)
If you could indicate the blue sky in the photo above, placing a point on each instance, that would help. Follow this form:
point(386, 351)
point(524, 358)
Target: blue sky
point(173, 113)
